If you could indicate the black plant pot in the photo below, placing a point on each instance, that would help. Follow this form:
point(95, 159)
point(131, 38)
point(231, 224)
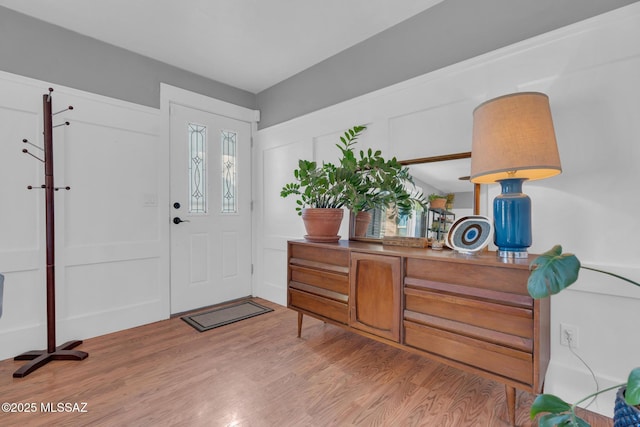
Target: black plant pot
point(625, 415)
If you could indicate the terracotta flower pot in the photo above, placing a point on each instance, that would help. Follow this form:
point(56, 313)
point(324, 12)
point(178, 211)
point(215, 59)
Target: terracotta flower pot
point(362, 223)
point(322, 224)
point(438, 203)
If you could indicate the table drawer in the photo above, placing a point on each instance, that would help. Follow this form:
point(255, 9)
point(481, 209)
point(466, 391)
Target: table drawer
point(322, 279)
point(323, 307)
point(331, 258)
point(500, 360)
point(497, 317)
point(495, 280)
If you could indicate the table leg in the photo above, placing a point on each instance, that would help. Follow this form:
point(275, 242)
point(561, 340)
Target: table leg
point(511, 403)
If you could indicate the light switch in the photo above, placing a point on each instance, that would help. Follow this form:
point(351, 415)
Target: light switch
point(149, 200)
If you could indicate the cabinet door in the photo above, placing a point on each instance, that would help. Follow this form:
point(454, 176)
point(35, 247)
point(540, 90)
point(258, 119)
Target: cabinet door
point(374, 303)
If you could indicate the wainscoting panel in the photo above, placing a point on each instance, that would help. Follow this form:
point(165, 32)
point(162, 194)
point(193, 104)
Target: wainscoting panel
point(590, 71)
point(113, 175)
point(449, 130)
point(111, 269)
point(278, 165)
point(19, 227)
point(23, 323)
point(275, 279)
point(99, 288)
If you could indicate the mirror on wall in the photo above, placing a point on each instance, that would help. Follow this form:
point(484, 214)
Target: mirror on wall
point(444, 175)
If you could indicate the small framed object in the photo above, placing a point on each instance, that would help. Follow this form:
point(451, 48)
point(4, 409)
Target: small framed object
point(470, 234)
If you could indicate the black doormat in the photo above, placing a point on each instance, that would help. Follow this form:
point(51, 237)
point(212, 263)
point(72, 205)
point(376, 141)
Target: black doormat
point(225, 315)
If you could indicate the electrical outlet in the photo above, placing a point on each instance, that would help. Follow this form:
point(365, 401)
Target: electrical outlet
point(568, 335)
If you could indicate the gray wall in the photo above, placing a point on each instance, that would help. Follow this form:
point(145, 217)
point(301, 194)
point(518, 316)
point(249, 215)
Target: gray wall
point(36, 49)
point(450, 32)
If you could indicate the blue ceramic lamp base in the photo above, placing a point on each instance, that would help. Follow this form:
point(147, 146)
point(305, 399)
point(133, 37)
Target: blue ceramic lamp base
point(512, 220)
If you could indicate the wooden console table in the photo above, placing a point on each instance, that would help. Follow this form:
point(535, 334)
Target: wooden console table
point(470, 312)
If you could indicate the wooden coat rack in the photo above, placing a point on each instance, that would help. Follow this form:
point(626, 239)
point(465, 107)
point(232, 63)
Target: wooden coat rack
point(40, 358)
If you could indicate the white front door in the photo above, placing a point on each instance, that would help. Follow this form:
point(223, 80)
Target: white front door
point(210, 209)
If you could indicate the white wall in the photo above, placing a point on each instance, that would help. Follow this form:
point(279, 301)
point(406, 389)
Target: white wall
point(112, 269)
point(590, 72)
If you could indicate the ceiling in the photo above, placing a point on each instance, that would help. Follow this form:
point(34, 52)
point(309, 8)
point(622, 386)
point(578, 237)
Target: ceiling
point(248, 44)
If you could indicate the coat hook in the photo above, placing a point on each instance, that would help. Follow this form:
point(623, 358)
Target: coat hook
point(32, 144)
point(31, 187)
point(62, 188)
point(24, 150)
point(62, 124)
point(70, 107)
point(49, 95)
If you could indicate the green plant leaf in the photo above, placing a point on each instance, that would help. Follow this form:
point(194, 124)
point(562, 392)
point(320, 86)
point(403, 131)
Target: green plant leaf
point(548, 403)
point(553, 420)
point(579, 422)
point(632, 394)
point(364, 183)
point(552, 272)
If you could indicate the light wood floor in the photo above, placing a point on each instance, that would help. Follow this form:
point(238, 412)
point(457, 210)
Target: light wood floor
point(255, 373)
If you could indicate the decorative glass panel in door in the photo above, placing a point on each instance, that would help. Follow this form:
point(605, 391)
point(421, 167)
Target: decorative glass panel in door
point(197, 168)
point(229, 187)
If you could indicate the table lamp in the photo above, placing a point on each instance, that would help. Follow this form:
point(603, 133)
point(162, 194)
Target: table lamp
point(513, 141)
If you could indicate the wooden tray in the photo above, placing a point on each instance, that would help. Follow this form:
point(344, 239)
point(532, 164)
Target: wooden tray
point(410, 242)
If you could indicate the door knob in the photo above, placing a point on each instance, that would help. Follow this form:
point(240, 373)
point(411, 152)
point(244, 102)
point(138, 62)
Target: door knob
point(177, 220)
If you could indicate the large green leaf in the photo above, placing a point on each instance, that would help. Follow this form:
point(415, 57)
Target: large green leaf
point(552, 272)
point(579, 422)
point(553, 420)
point(632, 394)
point(548, 403)
point(364, 183)
point(562, 420)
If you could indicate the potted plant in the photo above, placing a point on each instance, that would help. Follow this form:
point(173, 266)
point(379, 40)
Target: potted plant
point(322, 192)
point(380, 184)
point(450, 199)
point(359, 183)
point(552, 272)
point(437, 201)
